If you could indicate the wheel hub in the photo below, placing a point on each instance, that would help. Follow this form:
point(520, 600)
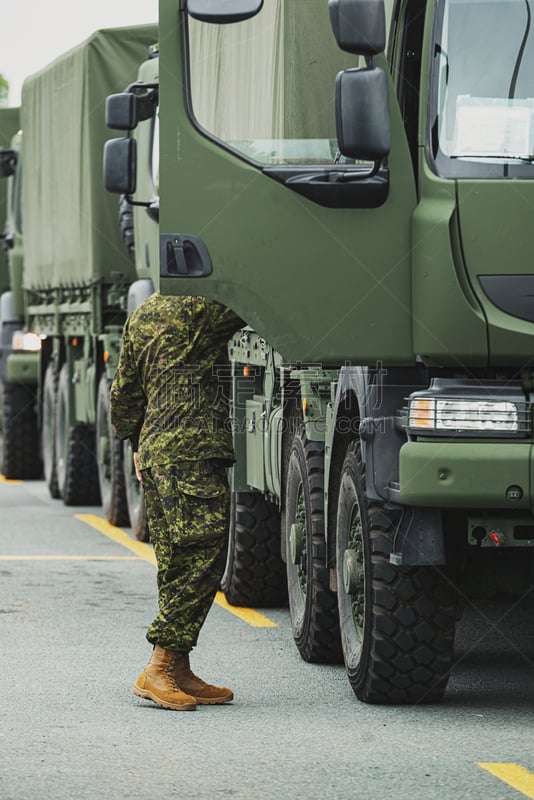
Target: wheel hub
point(297, 538)
point(104, 450)
point(351, 572)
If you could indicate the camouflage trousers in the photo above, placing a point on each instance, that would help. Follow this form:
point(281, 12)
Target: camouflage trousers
point(188, 515)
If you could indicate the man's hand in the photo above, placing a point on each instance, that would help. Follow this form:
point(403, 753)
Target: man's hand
point(137, 470)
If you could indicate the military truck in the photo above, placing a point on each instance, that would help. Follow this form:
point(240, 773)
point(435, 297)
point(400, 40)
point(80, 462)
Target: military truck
point(9, 125)
point(18, 425)
point(139, 216)
point(356, 182)
point(70, 275)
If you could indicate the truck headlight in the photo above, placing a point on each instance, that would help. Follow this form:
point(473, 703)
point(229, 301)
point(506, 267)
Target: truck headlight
point(30, 342)
point(449, 414)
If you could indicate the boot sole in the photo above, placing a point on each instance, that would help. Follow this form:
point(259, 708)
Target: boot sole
point(146, 695)
point(214, 701)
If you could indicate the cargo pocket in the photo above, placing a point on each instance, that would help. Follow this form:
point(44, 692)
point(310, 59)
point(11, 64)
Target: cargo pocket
point(204, 500)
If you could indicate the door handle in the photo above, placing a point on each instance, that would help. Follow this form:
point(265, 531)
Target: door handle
point(183, 255)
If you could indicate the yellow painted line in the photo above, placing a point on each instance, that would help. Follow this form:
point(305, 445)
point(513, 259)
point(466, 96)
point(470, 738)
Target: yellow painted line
point(515, 776)
point(3, 479)
point(248, 615)
point(68, 558)
point(143, 550)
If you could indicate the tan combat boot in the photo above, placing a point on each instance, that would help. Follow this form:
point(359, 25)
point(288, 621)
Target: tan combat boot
point(203, 692)
point(157, 682)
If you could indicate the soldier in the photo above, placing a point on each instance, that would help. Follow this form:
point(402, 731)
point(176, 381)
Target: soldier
point(168, 399)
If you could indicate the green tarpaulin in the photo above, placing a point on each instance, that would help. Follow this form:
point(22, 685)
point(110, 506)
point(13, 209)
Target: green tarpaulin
point(70, 222)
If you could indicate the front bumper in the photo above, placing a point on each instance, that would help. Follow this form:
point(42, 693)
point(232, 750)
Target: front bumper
point(22, 367)
point(470, 474)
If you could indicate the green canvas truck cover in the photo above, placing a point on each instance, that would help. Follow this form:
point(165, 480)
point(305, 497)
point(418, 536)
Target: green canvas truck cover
point(71, 231)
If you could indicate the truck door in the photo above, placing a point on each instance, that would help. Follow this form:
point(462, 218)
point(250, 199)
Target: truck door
point(253, 194)
point(484, 140)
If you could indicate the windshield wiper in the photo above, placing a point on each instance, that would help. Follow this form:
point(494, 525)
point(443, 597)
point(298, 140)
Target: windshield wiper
point(508, 157)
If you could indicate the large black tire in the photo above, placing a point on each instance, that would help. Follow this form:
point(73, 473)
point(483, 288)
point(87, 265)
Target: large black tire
point(312, 604)
point(255, 573)
point(19, 457)
point(109, 461)
point(48, 433)
point(397, 623)
point(135, 498)
point(76, 468)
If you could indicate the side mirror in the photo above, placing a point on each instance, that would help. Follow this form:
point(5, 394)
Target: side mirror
point(121, 111)
point(359, 25)
point(234, 10)
point(120, 165)
point(362, 114)
point(126, 109)
point(8, 162)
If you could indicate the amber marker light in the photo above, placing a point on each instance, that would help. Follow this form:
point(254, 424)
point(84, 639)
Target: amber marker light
point(422, 413)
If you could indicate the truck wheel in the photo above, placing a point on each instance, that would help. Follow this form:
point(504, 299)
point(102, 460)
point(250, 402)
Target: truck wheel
point(76, 468)
point(109, 461)
point(19, 435)
point(397, 623)
point(48, 437)
point(254, 574)
point(312, 605)
point(135, 498)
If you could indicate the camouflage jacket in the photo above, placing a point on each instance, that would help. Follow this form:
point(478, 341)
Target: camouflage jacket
point(170, 392)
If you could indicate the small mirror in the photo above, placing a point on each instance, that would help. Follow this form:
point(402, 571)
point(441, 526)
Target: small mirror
point(121, 111)
point(126, 109)
point(362, 114)
point(8, 162)
point(359, 25)
point(223, 11)
point(120, 165)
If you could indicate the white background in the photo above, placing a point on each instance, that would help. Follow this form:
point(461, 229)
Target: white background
point(34, 32)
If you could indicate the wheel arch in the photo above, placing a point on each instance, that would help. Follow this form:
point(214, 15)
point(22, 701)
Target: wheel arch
point(347, 411)
point(370, 403)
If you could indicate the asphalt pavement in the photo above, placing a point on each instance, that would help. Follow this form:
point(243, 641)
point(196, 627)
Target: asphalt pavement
point(75, 601)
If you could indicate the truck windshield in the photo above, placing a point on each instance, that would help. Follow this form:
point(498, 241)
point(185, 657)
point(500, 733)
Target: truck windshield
point(483, 81)
point(265, 87)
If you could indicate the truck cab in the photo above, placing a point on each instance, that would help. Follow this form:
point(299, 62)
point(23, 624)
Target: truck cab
point(131, 169)
point(355, 180)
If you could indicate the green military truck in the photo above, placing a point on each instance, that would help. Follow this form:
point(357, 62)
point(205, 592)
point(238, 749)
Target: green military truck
point(357, 183)
point(139, 214)
point(18, 422)
point(9, 125)
point(70, 277)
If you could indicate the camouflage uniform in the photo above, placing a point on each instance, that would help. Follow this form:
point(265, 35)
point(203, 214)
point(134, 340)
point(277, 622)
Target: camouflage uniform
point(168, 398)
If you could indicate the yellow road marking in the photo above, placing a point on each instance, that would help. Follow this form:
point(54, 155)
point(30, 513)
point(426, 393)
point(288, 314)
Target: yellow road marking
point(249, 616)
point(515, 776)
point(69, 558)
point(3, 479)
point(143, 550)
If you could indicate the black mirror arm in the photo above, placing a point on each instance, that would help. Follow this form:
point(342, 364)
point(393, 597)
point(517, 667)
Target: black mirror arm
point(131, 202)
point(350, 177)
point(153, 210)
